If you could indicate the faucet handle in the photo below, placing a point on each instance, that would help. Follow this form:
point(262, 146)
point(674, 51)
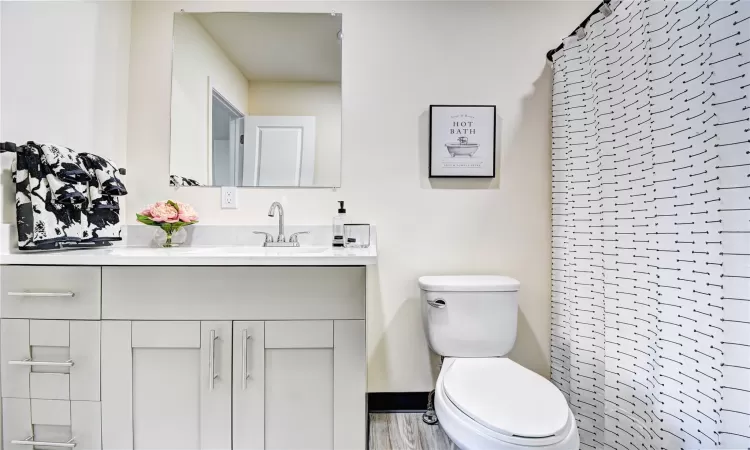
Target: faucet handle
point(293, 238)
point(268, 239)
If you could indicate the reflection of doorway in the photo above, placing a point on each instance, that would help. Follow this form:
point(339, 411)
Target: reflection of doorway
point(279, 151)
point(227, 125)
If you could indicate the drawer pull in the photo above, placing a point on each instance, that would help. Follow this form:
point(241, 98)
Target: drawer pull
point(30, 441)
point(41, 294)
point(212, 375)
point(31, 362)
point(245, 372)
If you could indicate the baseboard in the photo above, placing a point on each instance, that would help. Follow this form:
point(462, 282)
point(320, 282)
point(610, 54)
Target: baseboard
point(397, 401)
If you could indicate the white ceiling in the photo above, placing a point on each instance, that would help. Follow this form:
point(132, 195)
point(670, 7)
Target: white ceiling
point(278, 46)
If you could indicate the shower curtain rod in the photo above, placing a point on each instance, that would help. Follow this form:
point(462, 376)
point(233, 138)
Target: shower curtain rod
point(582, 25)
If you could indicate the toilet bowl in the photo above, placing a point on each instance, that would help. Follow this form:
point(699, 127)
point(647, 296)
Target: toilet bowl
point(496, 404)
point(483, 400)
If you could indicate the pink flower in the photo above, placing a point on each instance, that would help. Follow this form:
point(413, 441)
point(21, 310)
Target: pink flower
point(187, 213)
point(163, 212)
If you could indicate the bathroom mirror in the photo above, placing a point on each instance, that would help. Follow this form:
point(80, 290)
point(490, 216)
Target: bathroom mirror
point(256, 100)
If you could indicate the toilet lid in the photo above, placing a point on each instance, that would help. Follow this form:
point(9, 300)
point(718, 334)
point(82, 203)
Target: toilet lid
point(469, 283)
point(506, 397)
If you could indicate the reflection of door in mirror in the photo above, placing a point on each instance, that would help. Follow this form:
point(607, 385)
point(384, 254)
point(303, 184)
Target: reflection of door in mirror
point(279, 151)
point(226, 131)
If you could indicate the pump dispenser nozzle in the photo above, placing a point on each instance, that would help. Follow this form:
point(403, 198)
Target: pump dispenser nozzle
point(338, 226)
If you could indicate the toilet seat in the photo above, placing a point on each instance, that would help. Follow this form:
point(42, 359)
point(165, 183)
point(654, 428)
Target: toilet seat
point(504, 397)
point(469, 434)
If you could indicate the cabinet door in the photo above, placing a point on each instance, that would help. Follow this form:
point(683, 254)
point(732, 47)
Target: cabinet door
point(166, 385)
point(299, 385)
point(350, 389)
point(248, 379)
point(291, 400)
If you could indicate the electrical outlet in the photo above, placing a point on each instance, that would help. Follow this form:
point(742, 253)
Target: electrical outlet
point(228, 197)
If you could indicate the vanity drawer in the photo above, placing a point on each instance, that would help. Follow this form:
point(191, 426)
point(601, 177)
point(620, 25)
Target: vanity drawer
point(57, 422)
point(50, 359)
point(50, 292)
point(233, 293)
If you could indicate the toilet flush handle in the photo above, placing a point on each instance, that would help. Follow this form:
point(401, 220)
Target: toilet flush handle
point(437, 303)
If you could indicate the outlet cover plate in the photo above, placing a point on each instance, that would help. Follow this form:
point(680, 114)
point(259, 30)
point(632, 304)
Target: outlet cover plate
point(228, 197)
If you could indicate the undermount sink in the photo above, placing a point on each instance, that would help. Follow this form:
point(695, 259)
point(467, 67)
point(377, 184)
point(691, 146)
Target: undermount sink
point(252, 250)
point(228, 250)
point(266, 250)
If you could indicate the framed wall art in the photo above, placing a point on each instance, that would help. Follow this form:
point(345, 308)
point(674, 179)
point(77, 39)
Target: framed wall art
point(462, 141)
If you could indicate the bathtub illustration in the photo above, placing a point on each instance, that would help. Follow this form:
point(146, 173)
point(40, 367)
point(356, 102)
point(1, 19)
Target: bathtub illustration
point(462, 148)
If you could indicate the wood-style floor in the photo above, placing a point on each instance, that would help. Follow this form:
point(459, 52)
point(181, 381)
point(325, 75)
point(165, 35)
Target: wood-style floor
point(406, 431)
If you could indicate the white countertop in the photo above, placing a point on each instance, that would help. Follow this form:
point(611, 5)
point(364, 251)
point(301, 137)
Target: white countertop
point(196, 256)
point(206, 245)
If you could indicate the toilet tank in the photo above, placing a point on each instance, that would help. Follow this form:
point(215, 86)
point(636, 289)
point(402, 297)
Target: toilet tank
point(470, 315)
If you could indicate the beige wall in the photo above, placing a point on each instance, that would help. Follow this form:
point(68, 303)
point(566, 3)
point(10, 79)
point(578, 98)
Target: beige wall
point(322, 100)
point(196, 58)
point(398, 58)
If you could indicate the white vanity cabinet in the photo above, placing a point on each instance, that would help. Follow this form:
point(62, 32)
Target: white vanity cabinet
point(262, 358)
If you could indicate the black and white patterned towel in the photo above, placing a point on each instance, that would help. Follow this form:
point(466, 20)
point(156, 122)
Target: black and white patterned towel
point(54, 212)
point(104, 174)
point(176, 180)
point(65, 163)
point(41, 220)
point(64, 172)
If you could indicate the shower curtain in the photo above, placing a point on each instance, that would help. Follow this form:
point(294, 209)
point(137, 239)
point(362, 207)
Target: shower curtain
point(650, 335)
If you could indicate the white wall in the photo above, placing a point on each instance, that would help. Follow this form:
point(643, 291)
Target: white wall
point(6, 197)
point(197, 57)
point(2, 169)
point(322, 100)
point(398, 58)
point(64, 79)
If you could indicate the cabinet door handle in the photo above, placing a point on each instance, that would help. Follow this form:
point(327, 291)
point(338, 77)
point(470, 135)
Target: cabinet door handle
point(30, 441)
point(31, 362)
point(41, 294)
point(212, 375)
point(245, 372)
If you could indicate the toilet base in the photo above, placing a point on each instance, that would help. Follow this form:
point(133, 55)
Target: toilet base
point(470, 435)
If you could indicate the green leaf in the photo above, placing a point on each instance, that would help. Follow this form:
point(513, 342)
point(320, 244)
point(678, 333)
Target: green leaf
point(173, 204)
point(145, 220)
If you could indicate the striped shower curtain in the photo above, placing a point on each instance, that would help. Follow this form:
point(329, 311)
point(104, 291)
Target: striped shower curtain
point(650, 337)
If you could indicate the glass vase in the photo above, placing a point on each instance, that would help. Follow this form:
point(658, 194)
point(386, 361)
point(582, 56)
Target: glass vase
point(163, 238)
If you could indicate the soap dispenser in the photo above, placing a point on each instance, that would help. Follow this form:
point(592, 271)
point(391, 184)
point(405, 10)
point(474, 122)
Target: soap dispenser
point(338, 226)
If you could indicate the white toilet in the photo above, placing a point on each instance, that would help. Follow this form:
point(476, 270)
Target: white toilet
point(485, 401)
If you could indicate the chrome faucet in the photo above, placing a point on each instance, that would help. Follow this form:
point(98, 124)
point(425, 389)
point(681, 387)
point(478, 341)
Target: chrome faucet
point(281, 238)
point(277, 206)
